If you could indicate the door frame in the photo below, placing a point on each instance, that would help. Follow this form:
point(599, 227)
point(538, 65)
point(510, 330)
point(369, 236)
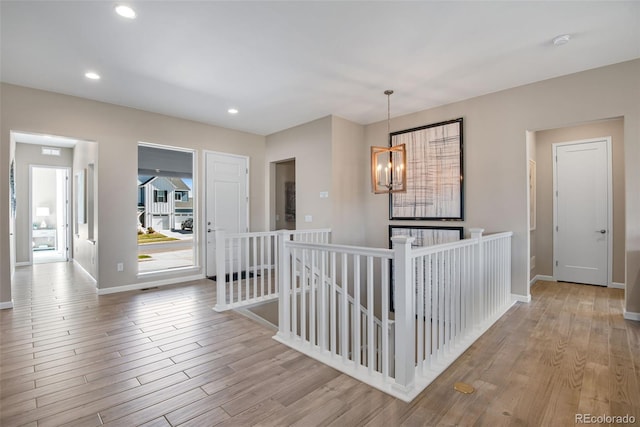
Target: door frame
point(67, 210)
point(554, 147)
point(203, 222)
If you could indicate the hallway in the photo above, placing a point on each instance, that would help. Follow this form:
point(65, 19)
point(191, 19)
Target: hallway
point(163, 357)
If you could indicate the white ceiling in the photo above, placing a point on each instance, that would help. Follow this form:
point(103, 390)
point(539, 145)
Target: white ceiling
point(286, 63)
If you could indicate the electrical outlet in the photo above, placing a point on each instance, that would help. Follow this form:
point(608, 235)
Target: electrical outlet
point(120, 266)
point(308, 218)
point(324, 194)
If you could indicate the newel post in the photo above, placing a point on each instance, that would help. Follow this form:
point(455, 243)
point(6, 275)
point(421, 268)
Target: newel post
point(284, 284)
point(221, 274)
point(404, 304)
point(479, 293)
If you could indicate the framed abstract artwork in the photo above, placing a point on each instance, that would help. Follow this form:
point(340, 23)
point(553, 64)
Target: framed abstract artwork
point(434, 173)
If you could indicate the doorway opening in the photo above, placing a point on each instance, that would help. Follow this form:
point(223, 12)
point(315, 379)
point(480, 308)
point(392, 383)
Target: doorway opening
point(50, 190)
point(543, 254)
point(285, 195)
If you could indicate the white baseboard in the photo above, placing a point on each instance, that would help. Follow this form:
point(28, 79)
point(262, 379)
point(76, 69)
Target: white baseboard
point(151, 284)
point(251, 315)
point(79, 266)
point(616, 285)
point(629, 315)
point(23, 264)
point(6, 305)
point(521, 298)
point(542, 277)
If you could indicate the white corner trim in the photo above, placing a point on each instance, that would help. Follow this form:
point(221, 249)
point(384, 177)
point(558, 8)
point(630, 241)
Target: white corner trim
point(6, 305)
point(629, 315)
point(521, 298)
point(152, 284)
point(542, 277)
point(78, 265)
point(251, 315)
point(616, 285)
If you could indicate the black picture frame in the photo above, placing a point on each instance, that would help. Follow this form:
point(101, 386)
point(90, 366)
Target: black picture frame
point(435, 173)
point(456, 234)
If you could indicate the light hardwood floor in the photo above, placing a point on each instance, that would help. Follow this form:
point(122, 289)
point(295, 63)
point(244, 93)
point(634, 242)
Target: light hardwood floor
point(162, 357)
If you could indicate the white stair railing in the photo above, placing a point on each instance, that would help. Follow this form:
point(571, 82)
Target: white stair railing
point(329, 297)
point(444, 297)
point(247, 263)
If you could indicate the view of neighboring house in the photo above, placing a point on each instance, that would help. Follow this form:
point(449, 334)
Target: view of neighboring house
point(163, 202)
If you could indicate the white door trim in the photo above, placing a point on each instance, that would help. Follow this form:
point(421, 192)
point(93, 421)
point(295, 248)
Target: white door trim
point(554, 148)
point(203, 216)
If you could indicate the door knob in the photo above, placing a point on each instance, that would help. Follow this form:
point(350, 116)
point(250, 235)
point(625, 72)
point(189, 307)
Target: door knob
point(603, 231)
point(209, 230)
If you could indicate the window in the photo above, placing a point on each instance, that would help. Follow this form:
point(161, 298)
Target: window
point(50, 151)
point(160, 196)
point(166, 206)
point(140, 196)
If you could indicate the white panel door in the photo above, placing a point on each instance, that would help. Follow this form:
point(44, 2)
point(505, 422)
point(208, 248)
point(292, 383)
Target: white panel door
point(582, 212)
point(227, 203)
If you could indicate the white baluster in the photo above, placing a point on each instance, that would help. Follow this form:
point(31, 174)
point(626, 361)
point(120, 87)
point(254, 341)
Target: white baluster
point(284, 314)
point(221, 296)
point(404, 303)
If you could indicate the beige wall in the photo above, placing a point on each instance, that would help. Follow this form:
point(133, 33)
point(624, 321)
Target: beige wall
point(310, 146)
point(329, 158)
point(496, 155)
point(350, 182)
point(545, 139)
point(117, 131)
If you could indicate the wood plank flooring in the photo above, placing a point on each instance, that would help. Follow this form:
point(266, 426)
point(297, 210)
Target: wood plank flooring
point(162, 357)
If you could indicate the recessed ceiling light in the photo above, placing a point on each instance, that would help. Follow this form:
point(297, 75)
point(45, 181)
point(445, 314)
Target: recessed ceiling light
point(562, 39)
point(125, 11)
point(232, 111)
point(92, 75)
